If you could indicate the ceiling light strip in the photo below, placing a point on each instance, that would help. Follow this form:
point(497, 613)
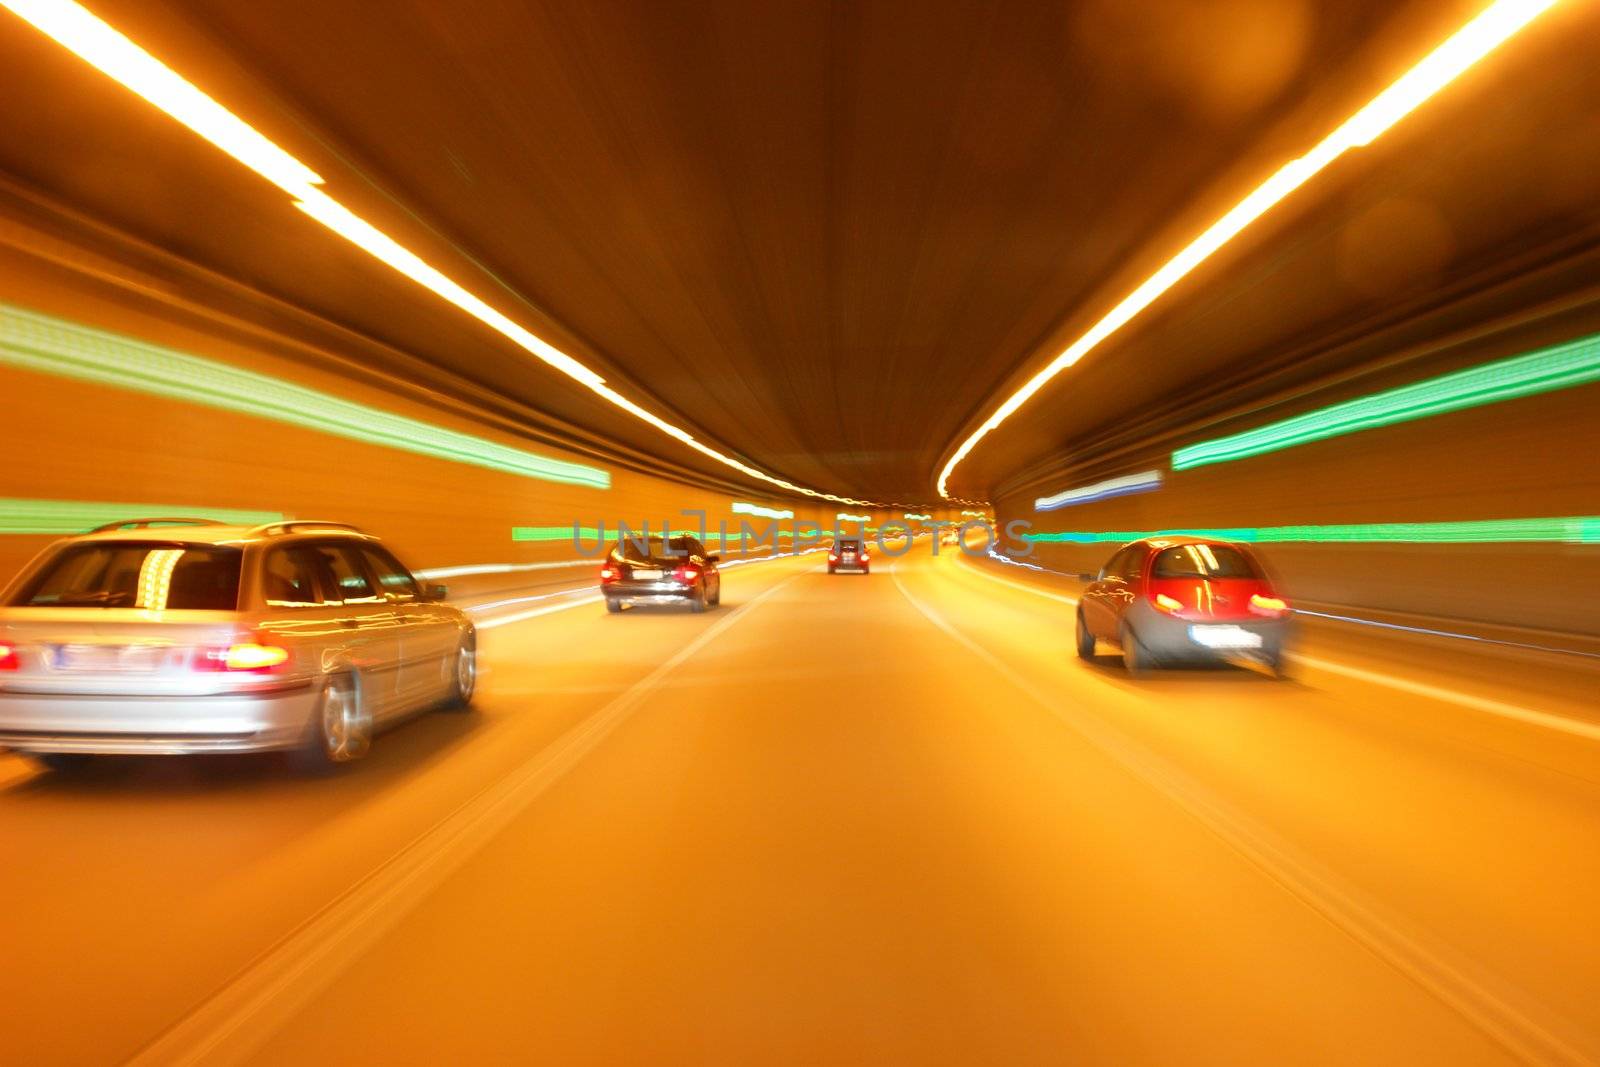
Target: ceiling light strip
point(54, 346)
point(111, 52)
point(1482, 35)
point(1144, 482)
point(1547, 370)
point(740, 507)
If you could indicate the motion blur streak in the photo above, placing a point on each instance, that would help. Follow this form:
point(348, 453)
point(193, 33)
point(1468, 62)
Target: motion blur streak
point(1500, 21)
point(19, 516)
point(1558, 367)
point(103, 47)
point(54, 346)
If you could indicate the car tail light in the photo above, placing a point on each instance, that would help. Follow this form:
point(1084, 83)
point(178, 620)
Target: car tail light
point(686, 575)
point(1268, 605)
point(833, 557)
point(1170, 605)
point(609, 573)
point(242, 656)
point(864, 558)
point(9, 661)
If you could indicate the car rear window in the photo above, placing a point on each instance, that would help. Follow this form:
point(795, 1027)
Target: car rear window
point(847, 544)
point(638, 550)
point(156, 575)
point(1204, 561)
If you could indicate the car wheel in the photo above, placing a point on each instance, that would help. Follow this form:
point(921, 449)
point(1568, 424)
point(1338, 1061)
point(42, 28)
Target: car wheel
point(697, 603)
point(1275, 662)
point(344, 726)
point(614, 606)
point(1135, 656)
point(465, 671)
point(1086, 643)
point(716, 598)
point(831, 570)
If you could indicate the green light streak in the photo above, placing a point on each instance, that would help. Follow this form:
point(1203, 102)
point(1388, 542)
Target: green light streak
point(1559, 367)
point(54, 346)
point(18, 516)
point(742, 508)
point(1578, 530)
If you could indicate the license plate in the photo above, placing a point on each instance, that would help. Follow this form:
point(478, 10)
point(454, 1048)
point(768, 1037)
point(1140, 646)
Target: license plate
point(646, 574)
point(849, 557)
point(108, 657)
point(1224, 637)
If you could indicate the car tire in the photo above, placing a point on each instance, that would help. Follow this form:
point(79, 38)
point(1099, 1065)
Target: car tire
point(697, 603)
point(613, 606)
point(832, 570)
point(716, 598)
point(1136, 657)
point(1086, 642)
point(1274, 660)
point(342, 727)
point(464, 671)
point(63, 762)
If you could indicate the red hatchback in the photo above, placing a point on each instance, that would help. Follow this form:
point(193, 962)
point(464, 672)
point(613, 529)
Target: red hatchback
point(1166, 600)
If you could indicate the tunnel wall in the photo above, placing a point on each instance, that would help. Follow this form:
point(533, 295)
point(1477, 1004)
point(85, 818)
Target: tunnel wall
point(1527, 458)
point(73, 440)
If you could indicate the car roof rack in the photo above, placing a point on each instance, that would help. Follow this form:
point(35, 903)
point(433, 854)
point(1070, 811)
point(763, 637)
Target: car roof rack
point(290, 525)
point(145, 524)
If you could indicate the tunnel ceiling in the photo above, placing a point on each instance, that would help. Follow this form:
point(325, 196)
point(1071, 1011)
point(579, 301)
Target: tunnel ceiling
point(820, 235)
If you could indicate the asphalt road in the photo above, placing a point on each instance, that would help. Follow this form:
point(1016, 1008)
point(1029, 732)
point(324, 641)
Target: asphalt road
point(844, 820)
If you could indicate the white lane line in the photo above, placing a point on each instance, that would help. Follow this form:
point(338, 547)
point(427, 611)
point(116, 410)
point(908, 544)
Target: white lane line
point(593, 598)
point(1506, 1014)
point(240, 1018)
point(1548, 720)
point(1517, 713)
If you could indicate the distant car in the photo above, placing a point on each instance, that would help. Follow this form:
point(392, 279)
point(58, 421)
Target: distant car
point(653, 570)
point(166, 636)
point(1168, 600)
point(849, 554)
point(949, 538)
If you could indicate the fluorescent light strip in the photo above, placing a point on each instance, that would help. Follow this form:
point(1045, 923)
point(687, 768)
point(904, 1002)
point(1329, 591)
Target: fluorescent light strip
point(741, 508)
point(54, 346)
point(916, 517)
point(467, 569)
point(1547, 370)
point(845, 516)
point(1575, 530)
point(1491, 28)
point(1112, 487)
point(96, 42)
point(39, 517)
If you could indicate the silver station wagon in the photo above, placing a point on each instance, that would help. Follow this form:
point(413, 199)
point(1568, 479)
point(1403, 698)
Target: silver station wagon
point(174, 636)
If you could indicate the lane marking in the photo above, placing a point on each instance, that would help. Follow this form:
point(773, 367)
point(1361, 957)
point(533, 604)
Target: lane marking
point(1548, 720)
point(594, 598)
point(1515, 712)
point(1505, 1014)
point(240, 1018)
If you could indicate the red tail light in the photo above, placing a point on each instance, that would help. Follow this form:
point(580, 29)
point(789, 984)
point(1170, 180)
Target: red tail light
point(1270, 606)
point(833, 557)
point(609, 573)
point(1169, 604)
point(686, 575)
point(242, 656)
point(9, 661)
point(864, 558)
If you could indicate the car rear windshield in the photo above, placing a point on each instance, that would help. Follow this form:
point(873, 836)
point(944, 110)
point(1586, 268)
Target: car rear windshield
point(847, 544)
point(1204, 561)
point(639, 550)
point(155, 575)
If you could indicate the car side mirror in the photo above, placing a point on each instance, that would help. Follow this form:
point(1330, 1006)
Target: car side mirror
point(713, 558)
point(1084, 576)
point(435, 593)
